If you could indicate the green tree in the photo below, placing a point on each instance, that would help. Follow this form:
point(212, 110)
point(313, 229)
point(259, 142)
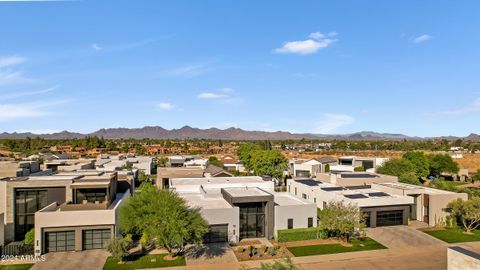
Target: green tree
point(467, 212)
point(215, 162)
point(269, 162)
point(341, 220)
point(409, 178)
point(476, 175)
point(396, 167)
point(442, 163)
point(164, 217)
point(29, 238)
point(359, 169)
point(419, 161)
point(119, 247)
point(245, 152)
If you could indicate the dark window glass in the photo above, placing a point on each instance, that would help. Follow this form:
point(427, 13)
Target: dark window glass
point(95, 239)
point(310, 222)
point(60, 241)
point(91, 195)
point(27, 202)
point(290, 223)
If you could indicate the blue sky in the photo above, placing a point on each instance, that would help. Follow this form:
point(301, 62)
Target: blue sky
point(332, 67)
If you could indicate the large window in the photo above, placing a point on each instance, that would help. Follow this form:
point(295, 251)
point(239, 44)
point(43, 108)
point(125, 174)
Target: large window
point(310, 222)
point(60, 241)
point(91, 195)
point(27, 202)
point(252, 219)
point(95, 239)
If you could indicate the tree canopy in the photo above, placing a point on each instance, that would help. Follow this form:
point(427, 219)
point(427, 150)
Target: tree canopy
point(467, 212)
point(262, 162)
point(340, 220)
point(442, 164)
point(164, 217)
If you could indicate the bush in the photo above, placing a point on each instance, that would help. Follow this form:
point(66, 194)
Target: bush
point(300, 234)
point(29, 238)
point(240, 249)
point(118, 247)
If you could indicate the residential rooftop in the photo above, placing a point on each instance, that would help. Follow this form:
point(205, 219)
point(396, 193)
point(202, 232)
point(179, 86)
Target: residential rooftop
point(216, 180)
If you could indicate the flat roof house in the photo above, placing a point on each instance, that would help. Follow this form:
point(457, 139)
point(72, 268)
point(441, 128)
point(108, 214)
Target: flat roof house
point(61, 208)
point(243, 207)
point(429, 204)
point(18, 168)
point(379, 208)
point(349, 179)
point(310, 167)
point(349, 163)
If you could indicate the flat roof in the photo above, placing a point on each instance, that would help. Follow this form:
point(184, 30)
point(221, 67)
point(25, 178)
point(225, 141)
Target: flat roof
point(358, 175)
point(216, 180)
point(284, 199)
point(309, 182)
point(246, 192)
point(404, 186)
point(198, 200)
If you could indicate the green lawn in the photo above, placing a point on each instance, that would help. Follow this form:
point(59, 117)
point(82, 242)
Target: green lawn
point(143, 262)
point(16, 267)
point(454, 235)
point(357, 245)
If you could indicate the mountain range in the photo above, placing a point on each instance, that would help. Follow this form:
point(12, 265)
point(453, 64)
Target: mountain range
point(157, 132)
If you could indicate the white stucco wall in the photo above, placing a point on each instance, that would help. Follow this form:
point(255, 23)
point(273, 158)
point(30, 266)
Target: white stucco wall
point(299, 214)
point(228, 216)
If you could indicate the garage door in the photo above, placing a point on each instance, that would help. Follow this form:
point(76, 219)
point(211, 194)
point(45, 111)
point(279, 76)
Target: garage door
point(95, 239)
point(389, 218)
point(60, 241)
point(217, 233)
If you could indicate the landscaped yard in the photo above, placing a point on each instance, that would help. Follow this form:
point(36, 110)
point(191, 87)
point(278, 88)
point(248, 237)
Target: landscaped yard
point(147, 261)
point(454, 235)
point(356, 245)
point(16, 267)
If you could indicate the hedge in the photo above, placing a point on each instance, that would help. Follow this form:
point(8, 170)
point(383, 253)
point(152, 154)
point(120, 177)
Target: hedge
point(300, 234)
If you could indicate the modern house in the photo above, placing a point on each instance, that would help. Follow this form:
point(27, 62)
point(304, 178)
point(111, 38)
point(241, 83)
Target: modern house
point(243, 207)
point(18, 168)
point(429, 204)
point(164, 175)
point(214, 171)
point(379, 208)
point(311, 167)
point(349, 163)
point(60, 203)
point(69, 164)
point(351, 179)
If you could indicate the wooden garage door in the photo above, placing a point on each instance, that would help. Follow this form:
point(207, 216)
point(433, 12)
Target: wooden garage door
point(60, 241)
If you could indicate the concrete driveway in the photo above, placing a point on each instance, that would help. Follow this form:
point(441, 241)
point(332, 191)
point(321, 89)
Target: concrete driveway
point(215, 253)
point(81, 260)
point(401, 236)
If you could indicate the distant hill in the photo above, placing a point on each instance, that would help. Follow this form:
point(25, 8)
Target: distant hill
point(157, 132)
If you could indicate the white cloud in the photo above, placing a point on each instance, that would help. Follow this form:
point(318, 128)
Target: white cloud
point(332, 122)
point(472, 108)
point(332, 34)
point(316, 35)
point(24, 94)
point(9, 77)
point(16, 111)
point(422, 38)
point(192, 70)
point(316, 42)
point(165, 106)
point(13, 60)
point(225, 93)
point(210, 95)
point(96, 47)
